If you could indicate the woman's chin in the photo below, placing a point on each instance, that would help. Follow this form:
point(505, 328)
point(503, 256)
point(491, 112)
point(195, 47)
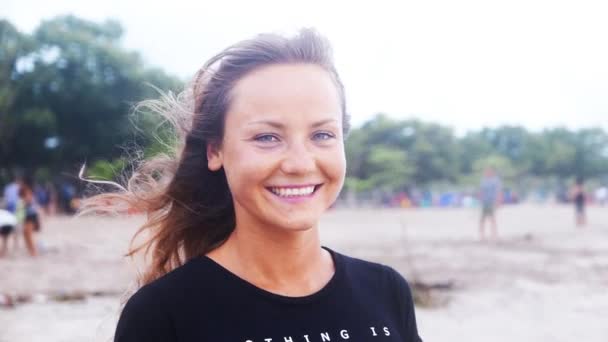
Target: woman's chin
point(297, 224)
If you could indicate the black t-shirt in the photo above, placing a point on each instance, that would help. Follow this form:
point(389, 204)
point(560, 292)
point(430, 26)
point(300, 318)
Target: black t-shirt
point(203, 302)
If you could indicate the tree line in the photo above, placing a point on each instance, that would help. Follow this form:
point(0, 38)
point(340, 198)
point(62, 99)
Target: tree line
point(393, 155)
point(67, 90)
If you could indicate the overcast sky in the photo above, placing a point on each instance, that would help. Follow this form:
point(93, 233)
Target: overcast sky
point(467, 64)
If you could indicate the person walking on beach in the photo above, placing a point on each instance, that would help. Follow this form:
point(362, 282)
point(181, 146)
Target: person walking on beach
point(490, 195)
point(577, 196)
point(235, 246)
point(27, 214)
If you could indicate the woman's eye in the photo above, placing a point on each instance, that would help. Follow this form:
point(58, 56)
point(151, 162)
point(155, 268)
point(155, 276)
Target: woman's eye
point(323, 136)
point(266, 138)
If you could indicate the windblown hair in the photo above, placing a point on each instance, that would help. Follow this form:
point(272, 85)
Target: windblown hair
point(189, 209)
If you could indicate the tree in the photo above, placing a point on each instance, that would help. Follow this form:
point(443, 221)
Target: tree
point(14, 48)
point(72, 93)
point(411, 151)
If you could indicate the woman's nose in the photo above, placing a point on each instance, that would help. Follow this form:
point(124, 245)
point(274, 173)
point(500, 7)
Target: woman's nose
point(298, 160)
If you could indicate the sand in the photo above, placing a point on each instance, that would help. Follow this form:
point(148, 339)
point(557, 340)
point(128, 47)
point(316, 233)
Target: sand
point(543, 280)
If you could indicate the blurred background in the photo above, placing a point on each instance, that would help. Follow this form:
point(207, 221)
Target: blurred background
point(465, 115)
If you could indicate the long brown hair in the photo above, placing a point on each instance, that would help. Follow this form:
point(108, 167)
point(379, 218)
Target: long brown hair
point(189, 208)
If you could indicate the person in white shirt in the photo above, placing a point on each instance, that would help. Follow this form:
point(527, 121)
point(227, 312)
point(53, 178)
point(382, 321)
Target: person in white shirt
point(8, 222)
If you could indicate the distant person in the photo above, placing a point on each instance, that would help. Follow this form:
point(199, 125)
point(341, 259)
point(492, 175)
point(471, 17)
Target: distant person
point(490, 195)
point(66, 197)
point(601, 195)
point(27, 212)
point(8, 224)
point(11, 195)
point(11, 201)
point(577, 195)
point(42, 195)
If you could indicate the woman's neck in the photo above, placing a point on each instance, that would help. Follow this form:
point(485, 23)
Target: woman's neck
point(289, 263)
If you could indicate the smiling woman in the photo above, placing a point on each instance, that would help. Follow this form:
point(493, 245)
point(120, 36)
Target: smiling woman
point(282, 151)
point(233, 218)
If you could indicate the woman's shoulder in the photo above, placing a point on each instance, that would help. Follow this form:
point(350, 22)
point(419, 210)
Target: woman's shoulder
point(172, 285)
point(373, 273)
point(375, 283)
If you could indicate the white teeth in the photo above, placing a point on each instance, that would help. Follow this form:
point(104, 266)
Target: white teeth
point(292, 192)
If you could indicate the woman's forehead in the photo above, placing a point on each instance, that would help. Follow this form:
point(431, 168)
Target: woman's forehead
point(286, 88)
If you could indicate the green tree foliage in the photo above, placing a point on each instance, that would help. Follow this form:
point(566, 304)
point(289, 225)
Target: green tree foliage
point(103, 170)
point(388, 167)
point(510, 142)
point(66, 92)
point(14, 47)
point(391, 154)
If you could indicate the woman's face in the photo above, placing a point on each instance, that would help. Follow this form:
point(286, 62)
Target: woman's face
point(283, 151)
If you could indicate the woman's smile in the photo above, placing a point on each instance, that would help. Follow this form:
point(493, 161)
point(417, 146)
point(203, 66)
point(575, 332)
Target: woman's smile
point(294, 193)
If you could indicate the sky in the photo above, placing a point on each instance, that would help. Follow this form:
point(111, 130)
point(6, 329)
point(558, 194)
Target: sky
point(467, 64)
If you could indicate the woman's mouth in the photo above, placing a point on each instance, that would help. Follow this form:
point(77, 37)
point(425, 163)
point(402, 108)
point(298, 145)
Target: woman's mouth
point(295, 191)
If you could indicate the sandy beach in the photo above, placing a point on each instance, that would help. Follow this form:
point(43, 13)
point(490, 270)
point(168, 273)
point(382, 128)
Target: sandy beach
point(543, 280)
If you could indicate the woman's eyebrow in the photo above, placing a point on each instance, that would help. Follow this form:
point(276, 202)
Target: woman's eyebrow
point(280, 125)
point(323, 122)
point(275, 124)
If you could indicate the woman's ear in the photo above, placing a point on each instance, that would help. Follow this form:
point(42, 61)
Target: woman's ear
point(214, 157)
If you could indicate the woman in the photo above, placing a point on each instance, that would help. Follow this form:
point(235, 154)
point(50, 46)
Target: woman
point(27, 212)
point(233, 221)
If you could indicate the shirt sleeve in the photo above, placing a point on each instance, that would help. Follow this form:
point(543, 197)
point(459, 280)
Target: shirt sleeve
point(405, 301)
point(145, 319)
